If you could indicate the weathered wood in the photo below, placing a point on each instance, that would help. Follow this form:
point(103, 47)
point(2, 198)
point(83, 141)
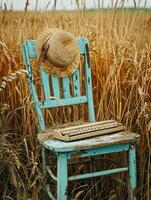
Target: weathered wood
point(57, 102)
point(28, 52)
point(100, 141)
point(104, 144)
point(66, 87)
point(55, 86)
point(45, 83)
point(76, 83)
point(62, 179)
point(132, 172)
point(100, 173)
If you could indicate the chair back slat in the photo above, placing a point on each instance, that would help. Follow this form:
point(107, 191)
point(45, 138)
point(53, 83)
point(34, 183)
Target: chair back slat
point(45, 83)
point(56, 102)
point(55, 86)
point(66, 87)
point(62, 91)
point(76, 83)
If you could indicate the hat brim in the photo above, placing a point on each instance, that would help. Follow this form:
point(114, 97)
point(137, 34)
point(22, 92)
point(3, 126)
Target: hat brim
point(58, 71)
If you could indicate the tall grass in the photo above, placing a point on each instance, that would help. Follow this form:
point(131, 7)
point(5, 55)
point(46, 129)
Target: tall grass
point(120, 49)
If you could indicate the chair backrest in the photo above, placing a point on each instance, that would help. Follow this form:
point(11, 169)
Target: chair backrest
point(51, 84)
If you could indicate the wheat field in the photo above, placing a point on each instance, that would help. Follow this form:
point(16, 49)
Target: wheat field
point(120, 51)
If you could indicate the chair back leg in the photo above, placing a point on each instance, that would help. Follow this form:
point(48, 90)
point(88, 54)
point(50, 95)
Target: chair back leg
point(132, 172)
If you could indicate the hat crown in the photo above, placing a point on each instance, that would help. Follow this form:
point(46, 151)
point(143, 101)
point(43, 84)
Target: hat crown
point(57, 52)
point(61, 51)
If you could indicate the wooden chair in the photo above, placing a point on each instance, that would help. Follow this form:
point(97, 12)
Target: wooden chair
point(113, 143)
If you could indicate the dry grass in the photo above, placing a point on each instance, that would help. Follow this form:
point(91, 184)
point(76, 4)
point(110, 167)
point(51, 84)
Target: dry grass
point(120, 44)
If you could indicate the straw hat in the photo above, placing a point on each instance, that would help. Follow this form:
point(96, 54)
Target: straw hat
point(57, 52)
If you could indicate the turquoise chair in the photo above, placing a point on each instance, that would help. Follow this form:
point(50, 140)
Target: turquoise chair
point(101, 145)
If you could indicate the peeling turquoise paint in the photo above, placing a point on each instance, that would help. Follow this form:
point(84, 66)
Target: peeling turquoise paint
point(83, 148)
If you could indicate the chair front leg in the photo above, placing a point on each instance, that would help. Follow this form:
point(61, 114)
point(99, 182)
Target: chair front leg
point(132, 172)
point(62, 180)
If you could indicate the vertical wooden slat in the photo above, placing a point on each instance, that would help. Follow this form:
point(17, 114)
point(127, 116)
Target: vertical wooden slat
point(55, 86)
point(45, 83)
point(76, 83)
point(66, 87)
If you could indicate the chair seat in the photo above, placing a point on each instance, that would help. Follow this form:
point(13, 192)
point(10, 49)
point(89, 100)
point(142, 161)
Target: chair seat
point(99, 141)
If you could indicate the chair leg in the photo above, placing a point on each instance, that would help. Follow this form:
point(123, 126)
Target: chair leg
point(62, 180)
point(132, 172)
point(43, 159)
